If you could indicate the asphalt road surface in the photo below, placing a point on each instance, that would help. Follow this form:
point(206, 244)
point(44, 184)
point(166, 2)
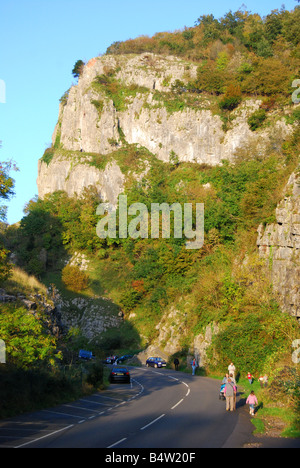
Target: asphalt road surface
point(160, 409)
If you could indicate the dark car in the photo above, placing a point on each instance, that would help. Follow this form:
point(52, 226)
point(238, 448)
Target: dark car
point(155, 362)
point(119, 374)
point(124, 358)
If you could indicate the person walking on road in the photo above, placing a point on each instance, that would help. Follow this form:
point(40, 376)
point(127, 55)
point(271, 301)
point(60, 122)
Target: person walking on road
point(194, 366)
point(230, 392)
point(252, 401)
point(176, 363)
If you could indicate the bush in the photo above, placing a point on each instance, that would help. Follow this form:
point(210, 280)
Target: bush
point(256, 119)
point(232, 98)
point(74, 278)
point(95, 375)
point(24, 390)
point(5, 267)
point(230, 103)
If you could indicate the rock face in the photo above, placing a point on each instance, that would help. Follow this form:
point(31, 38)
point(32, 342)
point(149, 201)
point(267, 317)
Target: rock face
point(61, 174)
point(145, 112)
point(279, 244)
point(92, 317)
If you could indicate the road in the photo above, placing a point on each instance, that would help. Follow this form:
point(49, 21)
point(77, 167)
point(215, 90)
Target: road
point(161, 409)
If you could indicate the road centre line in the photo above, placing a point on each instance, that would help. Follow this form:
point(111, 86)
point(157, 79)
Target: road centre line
point(44, 437)
point(117, 443)
point(173, 407)
point(152, 422)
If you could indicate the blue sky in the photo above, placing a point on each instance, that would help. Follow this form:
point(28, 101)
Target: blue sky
point(40, 41)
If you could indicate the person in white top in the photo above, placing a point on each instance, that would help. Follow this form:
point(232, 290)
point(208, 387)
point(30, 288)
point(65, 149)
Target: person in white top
point(231, 369)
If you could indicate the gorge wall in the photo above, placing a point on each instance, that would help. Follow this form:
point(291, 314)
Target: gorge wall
point(146, 113)
point(279, 245)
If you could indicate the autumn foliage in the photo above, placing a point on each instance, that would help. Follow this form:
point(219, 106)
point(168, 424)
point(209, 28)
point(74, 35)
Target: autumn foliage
point(259, 55)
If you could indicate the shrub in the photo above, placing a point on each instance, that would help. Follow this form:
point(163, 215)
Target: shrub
point(74, 278)
point(5, 267)
point(230, 103)
point(95, 375)
point(256, 119)
point(232, 98)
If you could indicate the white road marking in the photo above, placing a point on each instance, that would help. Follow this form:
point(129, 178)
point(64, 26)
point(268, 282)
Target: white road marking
point(177, 403)
point(117, 443)
point(80, 408)
point(44, 437)
point(152, 422)
point(62, 414)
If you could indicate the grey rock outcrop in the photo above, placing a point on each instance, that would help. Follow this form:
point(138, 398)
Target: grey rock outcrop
point(92, 317)
point(63, 174)
point(279, 244)
point(91, 122)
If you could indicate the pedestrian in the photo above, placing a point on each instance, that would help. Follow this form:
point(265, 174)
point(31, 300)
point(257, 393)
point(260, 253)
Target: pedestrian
point(232, 378)
point(230, 392)
point(224, 381)
point(194, 366)
point(250, 378)
point(263, 380)
point(252, 401)
point(234, 384)
point(176, 363)
point(231, 369)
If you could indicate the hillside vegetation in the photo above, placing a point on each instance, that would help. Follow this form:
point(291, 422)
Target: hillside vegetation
point(239, 53)
point(225, 284)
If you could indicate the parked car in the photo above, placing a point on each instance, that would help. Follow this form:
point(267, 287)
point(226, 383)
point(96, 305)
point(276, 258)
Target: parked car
point(124, 358)
point(119, 374)
point(155, 362)
point(86, 355)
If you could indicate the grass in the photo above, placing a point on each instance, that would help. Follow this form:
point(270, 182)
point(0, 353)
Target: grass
point(21, 282)
point(273, 418)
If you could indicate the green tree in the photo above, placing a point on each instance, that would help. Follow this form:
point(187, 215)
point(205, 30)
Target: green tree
point(7, 184)
point(6, 192)
point(26, 342)
point(78, 68)
point(273, 25)
point(5, 267)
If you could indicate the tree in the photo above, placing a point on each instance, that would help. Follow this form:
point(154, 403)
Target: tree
point(273, 25)
point(27, 343)
point(6, 191)
point(78, 68)
point(6, 185)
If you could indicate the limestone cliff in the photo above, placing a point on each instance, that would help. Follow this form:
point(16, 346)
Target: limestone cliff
point(279, 244)
point(145, 112)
